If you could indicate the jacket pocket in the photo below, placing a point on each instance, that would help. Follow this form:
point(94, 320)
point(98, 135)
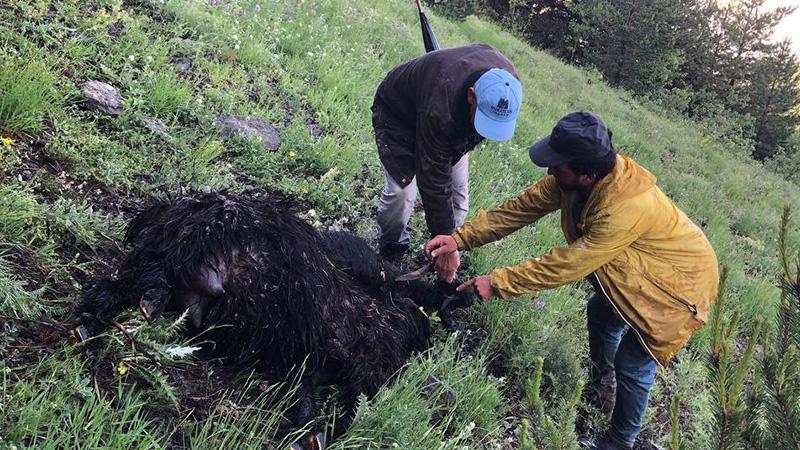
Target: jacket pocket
point(670, 293)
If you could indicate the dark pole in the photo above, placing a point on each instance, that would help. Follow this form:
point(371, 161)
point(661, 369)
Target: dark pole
point(428, 37)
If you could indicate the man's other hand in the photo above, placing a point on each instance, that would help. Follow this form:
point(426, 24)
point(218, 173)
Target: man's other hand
point(440, 245)
point(446, 266)
point(482, 285)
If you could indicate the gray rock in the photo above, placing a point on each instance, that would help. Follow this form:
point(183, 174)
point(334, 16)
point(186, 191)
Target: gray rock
point(102, 97)
point(115, 29)
point(182, 64)
point(250, 128)
point(157, 127)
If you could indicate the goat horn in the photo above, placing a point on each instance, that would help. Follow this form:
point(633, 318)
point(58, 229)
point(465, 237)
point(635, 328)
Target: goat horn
point(415, 274)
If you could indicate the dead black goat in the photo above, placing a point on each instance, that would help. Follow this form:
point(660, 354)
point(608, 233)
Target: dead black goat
point(383, 278)
point(287, 296)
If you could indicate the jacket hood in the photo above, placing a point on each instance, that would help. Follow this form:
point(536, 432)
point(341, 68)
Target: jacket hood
point(627, 180)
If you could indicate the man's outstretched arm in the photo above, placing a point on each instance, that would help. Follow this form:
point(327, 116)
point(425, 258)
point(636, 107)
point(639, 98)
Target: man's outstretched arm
point(535, 202)
point(538, 200)
point(562, 265)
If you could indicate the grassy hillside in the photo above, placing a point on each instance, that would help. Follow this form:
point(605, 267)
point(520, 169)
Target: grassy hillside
point(70, 178)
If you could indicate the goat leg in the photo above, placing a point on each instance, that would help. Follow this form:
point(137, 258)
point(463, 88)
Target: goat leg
point(107, 297)
point(305, 410)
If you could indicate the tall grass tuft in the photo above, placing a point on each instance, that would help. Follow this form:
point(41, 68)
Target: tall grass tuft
point(26, 94)
point(53, 405)
point(440, 401)
point(167, 95)
point(238, 422)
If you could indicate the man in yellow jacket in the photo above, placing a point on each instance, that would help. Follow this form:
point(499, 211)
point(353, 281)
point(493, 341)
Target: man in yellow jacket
point(654, 272)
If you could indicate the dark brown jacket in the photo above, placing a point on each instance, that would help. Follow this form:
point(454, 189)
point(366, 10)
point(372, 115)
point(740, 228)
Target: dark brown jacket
point(422, 122)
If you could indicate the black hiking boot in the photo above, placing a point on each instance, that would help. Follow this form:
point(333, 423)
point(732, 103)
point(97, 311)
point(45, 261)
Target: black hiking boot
point(602, 443)
point(393, 253)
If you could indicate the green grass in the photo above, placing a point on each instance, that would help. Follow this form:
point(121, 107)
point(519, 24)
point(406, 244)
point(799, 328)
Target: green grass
point(26, 94)
point(461, 406)
point(300, 64)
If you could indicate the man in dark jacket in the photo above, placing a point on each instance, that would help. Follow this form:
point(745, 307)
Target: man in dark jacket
point(427, 114)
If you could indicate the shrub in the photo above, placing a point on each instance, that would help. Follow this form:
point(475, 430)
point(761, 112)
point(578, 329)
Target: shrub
point(454, 9)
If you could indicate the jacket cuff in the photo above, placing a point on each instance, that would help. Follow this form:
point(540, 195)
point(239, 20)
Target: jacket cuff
point(497, 280)
point(459, 242)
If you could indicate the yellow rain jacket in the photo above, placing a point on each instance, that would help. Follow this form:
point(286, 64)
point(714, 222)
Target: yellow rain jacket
point(639, 250)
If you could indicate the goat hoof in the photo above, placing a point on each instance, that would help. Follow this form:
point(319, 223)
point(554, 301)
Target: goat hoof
point(80, 333)
point(310, 442)
point(151, 305)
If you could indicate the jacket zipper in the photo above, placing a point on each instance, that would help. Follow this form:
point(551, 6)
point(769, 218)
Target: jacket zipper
point(624, 319)
point(692, 308)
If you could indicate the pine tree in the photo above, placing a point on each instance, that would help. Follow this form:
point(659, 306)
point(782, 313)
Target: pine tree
point(761, 412)
point(548, 432)
point(775, 401)
point(773, 95)
point(632, 42)
point(727, 376)
point(543, 23)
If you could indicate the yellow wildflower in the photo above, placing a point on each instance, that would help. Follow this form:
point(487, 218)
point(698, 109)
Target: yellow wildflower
point(6, 141)
point(122, 369)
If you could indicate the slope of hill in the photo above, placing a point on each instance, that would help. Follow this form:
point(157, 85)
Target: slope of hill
point(70, 177)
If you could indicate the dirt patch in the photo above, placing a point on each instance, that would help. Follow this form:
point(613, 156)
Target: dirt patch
point(52, 179)
point(32, 340)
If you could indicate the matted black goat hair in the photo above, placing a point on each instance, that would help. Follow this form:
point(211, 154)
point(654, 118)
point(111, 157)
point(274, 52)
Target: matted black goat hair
point(286, 294)
point(356, 257)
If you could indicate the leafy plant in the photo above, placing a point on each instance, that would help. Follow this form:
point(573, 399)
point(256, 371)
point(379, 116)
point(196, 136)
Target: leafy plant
point(16, 297)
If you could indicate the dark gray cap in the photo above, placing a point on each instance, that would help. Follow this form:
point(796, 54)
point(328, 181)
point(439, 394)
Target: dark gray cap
point(577, 136)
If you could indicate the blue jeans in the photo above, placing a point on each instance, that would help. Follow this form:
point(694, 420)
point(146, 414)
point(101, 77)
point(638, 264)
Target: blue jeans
point(617, 354)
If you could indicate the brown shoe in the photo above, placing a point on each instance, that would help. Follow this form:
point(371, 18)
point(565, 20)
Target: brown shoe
point(603, 397)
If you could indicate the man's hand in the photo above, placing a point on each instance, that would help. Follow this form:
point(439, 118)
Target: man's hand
point(440, 245)
point(482, 285)
point(443, 250)
point(446, 266)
